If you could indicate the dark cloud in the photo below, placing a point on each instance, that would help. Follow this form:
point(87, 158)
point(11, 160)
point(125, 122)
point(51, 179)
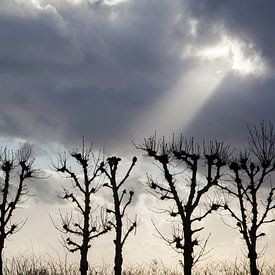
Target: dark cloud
point(69, 70)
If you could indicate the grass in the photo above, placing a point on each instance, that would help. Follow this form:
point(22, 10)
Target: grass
point(25, 265)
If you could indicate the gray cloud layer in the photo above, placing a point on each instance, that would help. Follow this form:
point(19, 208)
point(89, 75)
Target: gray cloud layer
point(68, 70)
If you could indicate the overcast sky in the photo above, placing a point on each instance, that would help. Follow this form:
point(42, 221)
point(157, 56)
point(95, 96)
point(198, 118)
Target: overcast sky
point(117, 70)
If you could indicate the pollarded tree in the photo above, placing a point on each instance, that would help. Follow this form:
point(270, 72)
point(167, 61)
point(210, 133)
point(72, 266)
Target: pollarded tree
point(86, 225)
point(187, 190)
point(13, 189)
point(121, 201)
point(252, 188)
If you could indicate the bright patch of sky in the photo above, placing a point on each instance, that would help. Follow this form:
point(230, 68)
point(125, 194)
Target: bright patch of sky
point(237, 55)
point(40, 3)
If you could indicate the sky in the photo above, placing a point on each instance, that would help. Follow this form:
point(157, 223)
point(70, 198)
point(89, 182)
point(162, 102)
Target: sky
point(116, 71)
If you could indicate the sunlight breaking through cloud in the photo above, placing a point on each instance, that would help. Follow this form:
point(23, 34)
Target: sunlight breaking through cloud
point(177, 108)
point(114, 2)
point(238, 55)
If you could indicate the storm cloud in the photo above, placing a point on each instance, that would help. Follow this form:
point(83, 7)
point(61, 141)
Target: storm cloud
point(89, 69)
point(94, 68)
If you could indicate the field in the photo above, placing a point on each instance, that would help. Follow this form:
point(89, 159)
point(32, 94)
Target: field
point(41, 266)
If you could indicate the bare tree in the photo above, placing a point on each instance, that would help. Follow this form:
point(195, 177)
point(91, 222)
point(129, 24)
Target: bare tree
point(251, 187)
point(84, 226)
point(120, 206)
point(13, 189)
point(185, 202)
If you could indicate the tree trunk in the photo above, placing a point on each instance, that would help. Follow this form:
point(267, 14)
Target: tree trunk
point(118, 260)
point(84, 266)
point(188, 250)
point(83, 261)
point(118, 240)
point(253, 263)
point(86, 234)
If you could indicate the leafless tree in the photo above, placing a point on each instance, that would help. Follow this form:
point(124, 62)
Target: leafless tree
point(187, 190)
point(86, 225)
point(13, 190)
point(121, 202)
point(252, 188)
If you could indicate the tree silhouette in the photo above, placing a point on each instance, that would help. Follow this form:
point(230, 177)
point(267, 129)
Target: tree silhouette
point(186, 202)
point(13, 189)
point(84, 226)
point(251, 187)
point(120, 207)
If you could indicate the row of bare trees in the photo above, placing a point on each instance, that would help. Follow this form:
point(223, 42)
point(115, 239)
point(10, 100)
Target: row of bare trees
point(84, 227)
point(192, 174)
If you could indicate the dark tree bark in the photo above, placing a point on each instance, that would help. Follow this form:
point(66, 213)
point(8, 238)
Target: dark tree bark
point(83, 188)
point(188, 248)
point(12, 192)
point(250, 187)
point(185, 154)
point(120, 206)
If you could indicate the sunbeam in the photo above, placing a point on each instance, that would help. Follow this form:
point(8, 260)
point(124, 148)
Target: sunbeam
point(173, 112)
